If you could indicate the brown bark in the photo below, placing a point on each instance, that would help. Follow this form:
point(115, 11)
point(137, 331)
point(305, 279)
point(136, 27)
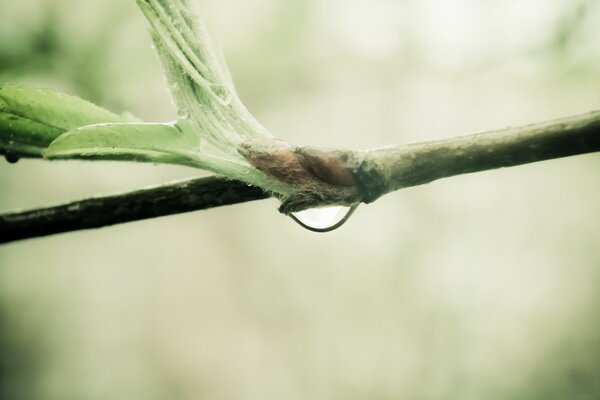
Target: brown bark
point(174, 198)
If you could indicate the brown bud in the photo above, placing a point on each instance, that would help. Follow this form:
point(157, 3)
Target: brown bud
point(276, 158)
point(327, 165)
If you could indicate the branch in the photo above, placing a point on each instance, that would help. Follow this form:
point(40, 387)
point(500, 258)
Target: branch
point(96, 212)
point(384, 170)
point(324, 177)
point(351, 176)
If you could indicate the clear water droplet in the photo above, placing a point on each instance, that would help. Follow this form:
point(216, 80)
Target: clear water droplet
point(323, 219)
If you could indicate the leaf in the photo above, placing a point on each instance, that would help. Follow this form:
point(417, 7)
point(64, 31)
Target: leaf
point(24, 136)
point(30, 118)
point(166, 143)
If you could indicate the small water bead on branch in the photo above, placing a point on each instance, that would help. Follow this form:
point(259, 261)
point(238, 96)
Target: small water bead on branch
point(323, 219)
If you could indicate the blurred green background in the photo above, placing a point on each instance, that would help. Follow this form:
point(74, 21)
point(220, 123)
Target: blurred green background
point(483, 286)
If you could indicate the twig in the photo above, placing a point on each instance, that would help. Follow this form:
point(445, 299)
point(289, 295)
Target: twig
point(372, 174)
point(173, 198)
point(384, 170)
point(366, 175)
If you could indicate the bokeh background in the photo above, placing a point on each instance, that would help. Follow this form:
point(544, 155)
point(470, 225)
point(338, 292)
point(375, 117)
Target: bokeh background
point(479, 286)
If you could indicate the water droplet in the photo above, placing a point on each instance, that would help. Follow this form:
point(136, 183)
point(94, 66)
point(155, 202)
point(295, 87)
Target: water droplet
point(11, 158)
point(323, 219)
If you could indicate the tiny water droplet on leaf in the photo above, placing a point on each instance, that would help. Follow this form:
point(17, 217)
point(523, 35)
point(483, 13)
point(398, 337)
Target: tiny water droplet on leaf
point(11, 158)
point(323, 219)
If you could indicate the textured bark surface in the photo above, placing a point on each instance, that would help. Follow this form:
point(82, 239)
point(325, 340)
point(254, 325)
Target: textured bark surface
point(331, 176)
point(386, 169)
point(179, 197)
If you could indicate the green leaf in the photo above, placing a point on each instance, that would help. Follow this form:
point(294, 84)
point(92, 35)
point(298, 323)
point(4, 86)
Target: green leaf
point(166, 143)
point(30, 118)
point(24, 136)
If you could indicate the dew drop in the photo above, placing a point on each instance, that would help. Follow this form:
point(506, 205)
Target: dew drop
point(323, 219)
point(11, 158)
